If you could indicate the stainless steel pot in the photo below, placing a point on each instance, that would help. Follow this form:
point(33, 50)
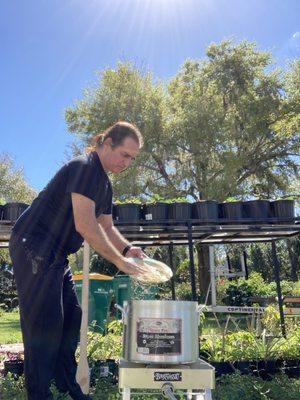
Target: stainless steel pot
point(160, 332)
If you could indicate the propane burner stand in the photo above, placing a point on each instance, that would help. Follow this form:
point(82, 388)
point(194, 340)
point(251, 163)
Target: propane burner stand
point(196, 379)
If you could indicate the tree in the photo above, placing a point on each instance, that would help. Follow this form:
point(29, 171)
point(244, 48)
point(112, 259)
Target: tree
point(225, 126)
point(229, 118)
point(13, 186)
point(237, 127)
point(130, 95)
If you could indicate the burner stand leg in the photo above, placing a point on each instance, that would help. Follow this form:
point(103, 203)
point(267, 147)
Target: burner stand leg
point(126, 393)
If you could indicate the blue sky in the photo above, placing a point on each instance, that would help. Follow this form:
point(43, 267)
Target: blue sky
point(51, 50)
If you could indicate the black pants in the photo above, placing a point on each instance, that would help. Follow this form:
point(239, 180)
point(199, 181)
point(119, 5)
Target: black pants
point(50, 320)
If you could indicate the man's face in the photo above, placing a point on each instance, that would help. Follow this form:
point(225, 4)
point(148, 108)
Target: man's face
point(117, 159)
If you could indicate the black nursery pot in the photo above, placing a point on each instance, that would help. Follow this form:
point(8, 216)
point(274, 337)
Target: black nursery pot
point(245, 367)
point(156, 211)
point(256, 209)
point(205, 210)
point(180, 211)
point(16, 367)
point(265, 369)
point(284, 209)
point(222, 368)
point(232, 211)
point(12, 211)
point(291, 368)
point(127, 212)
point(1, 212)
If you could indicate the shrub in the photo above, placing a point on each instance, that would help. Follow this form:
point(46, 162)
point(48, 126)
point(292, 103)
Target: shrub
point(238, 294)
point(183, 291)
point(102, 347)
point(11, 388)
point(239, 291)
point(237, 387)
point(296, 289)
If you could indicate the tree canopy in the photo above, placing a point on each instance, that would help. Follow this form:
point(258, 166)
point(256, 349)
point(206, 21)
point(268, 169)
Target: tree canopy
point(13, 186)
point(224, 126)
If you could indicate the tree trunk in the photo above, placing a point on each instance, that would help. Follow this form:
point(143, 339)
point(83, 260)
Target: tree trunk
point(203, 268)
point(293, 261)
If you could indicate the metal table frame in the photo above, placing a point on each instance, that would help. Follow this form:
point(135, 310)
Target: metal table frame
point(212, 232)
point(170, 233)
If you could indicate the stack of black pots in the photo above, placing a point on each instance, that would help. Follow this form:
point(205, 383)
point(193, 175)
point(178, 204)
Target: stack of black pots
point(12, 211)
point(210, 211)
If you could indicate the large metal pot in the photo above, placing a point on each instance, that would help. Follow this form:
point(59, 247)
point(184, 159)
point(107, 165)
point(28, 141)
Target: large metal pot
point(160, 332)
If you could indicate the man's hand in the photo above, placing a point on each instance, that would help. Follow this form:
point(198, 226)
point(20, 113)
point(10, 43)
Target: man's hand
point(129, 267)
point(135, 252)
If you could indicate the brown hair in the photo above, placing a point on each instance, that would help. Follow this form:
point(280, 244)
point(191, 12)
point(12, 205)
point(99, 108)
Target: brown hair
point(117, 132)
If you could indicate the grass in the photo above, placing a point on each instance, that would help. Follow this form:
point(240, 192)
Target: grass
point(10, 330)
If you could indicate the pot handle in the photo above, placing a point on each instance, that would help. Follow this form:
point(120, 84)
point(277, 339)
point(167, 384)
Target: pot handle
point(120, 308)
point(123, 311)
point(200, 307)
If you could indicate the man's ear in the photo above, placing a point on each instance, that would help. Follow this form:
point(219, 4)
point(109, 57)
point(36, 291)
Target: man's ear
point(108, 142)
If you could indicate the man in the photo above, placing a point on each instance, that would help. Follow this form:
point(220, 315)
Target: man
point(75, 206)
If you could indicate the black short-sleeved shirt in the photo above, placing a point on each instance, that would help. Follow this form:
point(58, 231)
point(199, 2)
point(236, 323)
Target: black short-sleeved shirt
point(48, 224)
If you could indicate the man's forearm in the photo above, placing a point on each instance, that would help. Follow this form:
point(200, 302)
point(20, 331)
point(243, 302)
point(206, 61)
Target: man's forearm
point(101, 243)
point(116, 238)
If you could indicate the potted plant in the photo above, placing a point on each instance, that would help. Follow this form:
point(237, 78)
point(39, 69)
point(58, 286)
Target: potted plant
point(289, 354)
point(156, 208)
point(12, 211)
point(128, 209)
point(231, 210)
point(214, 347)
point(13, 364)
point(205, 210)
point(283, 208)
point(180, 209)
point(256, 209)
point(267, 355)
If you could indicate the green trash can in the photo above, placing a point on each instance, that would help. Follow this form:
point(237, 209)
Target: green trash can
point(100, 296)
point(127, 289)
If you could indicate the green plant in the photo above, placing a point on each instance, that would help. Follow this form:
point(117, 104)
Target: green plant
point(102, 347)
point(268, 349)
point(172, 200)
point(231, 200)
point(240, 346)
point(182, 271)
point(243, 345)
point(240, 290)
point(156, 198)
point(290, 348)
point(11, 388)
point(129, 200)
point(271, 320)
point(248, 387)
point(296, 289)
point(238, 294)
point(183, 291)
point(177, 200)
point(214, 347)
point(222, 286)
